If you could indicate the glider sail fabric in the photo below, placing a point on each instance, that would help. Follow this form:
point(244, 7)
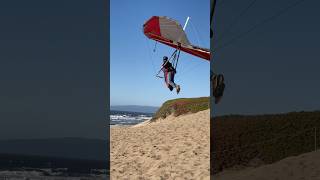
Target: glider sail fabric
point(171, 33)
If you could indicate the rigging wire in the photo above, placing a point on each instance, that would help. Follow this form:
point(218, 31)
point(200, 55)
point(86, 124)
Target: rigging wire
point(175, 56)
point(191, 66)
point(270, 18)
point(221, 3)
point(177, 60)
point(155, 46)
point(196, 33)
point(149, 51)
point(187, 71)
point(174, 61)
point(235, 20)
point(194, 65)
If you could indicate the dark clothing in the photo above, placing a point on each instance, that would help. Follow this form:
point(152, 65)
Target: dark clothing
point(168, 67)
point(169, 72)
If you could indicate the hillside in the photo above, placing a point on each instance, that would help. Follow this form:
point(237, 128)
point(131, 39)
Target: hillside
point(177, 107)
point(242, 141)
point(305, 166)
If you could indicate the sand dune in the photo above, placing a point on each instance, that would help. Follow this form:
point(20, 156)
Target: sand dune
point(302, 167)
point(172, 148)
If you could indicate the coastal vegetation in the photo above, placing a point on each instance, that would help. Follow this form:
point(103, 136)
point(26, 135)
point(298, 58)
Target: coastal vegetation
point(181, 106)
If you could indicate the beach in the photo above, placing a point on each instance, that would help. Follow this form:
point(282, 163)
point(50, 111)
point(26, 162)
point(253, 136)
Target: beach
point(170, 148)
point(303, 167)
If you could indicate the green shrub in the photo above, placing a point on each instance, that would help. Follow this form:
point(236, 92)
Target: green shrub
point(182, 106)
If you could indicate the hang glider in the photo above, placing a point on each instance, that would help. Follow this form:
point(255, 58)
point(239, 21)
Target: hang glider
point(168, 31)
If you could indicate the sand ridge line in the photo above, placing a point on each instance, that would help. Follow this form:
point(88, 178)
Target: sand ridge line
point(305, 166)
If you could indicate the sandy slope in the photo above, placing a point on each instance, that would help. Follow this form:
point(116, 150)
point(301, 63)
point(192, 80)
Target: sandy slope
point(302, 167)
point(173, 148)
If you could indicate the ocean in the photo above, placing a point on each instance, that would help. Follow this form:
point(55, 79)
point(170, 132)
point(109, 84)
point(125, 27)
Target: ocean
point(128, 118)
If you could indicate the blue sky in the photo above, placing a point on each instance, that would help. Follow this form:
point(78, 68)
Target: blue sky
point(275, 67)
point(133, 64)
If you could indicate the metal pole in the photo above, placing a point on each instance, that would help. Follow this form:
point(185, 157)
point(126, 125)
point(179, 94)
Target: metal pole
point(185, 24)
point(184, 27)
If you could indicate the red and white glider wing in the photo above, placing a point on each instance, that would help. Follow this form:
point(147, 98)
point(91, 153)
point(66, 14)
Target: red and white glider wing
point(171, 33)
